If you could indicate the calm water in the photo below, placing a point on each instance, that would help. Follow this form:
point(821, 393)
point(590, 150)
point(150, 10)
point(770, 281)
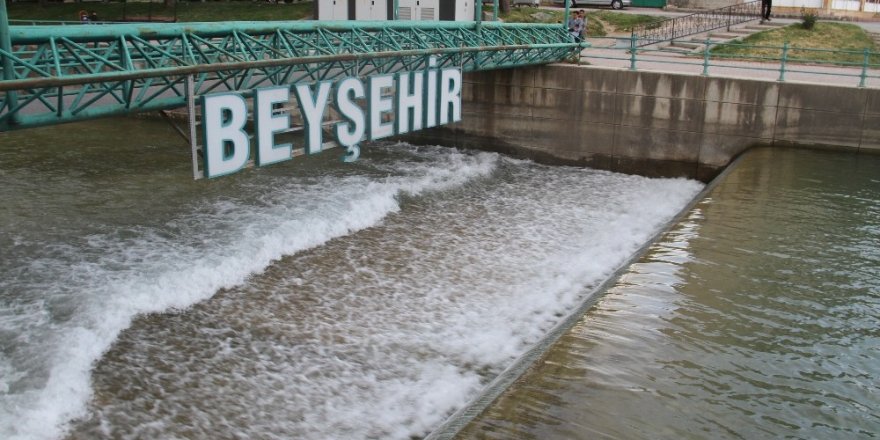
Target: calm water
point(311, 300)
point(757, 316)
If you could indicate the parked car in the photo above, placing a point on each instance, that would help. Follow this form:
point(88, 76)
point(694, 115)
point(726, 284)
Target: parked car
point(515, 3)
point(615, 4)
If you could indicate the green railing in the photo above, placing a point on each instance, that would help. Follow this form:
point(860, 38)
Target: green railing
point(55, 74)
point(696, 23)
point(769, 62)
point(51, 23)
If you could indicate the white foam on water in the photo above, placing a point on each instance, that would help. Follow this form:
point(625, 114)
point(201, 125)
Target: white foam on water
point(384, 333)
point(65, 306)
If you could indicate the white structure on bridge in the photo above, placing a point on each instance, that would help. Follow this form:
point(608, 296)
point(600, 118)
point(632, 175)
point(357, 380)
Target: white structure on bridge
point(423, 10)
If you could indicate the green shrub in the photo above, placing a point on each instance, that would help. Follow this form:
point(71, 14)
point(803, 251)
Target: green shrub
point(808, 18)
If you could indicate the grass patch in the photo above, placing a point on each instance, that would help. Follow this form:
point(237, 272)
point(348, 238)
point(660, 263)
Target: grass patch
point(531, 15)
point(186, 11)
point(827, 36)
point(620, 22)
point(599, 23)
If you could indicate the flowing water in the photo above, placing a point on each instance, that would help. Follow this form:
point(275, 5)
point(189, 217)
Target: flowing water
point(313, 299)
point(756, 316)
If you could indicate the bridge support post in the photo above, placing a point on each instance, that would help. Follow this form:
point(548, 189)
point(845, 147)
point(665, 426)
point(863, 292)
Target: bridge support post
point(6, 46)
point(865, 62)
point(478, 26)
point(565, 16)
point(632, 52)
point(706, 56)
point(478, 13)
point(191, 113)
point(782, 62)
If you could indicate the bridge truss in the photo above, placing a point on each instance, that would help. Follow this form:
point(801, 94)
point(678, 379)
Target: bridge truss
point(56, 74)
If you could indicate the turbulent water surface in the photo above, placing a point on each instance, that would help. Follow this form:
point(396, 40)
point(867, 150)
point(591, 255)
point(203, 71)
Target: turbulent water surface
point(313, 299)
point(757, 316)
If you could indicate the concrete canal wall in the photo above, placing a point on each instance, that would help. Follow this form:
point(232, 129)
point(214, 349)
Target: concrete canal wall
point(652, 123)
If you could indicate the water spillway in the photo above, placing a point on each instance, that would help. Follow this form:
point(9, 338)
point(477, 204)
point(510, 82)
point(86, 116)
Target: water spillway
point(309, 300)
point(755, 316)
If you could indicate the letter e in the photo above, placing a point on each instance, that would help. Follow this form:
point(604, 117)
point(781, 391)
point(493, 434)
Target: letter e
point(267, 124)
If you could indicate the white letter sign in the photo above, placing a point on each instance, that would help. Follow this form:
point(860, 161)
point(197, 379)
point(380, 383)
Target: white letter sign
point(267, 123)
point(313, 113)
point(226, 143)
point(395, 104)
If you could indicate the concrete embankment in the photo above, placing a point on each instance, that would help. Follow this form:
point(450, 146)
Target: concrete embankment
point(652, 123)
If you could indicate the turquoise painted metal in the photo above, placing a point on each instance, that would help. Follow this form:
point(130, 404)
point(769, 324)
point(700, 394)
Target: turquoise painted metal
point(56, 74)
point(9, 97)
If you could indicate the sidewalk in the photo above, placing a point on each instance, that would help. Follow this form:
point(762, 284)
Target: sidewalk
point(614, 53)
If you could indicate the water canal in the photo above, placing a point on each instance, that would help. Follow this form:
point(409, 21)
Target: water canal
point(310, 300)
point(756, 316)
point(320, 300)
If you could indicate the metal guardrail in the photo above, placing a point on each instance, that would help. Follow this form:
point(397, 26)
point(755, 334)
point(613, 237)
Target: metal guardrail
point(55, 74)
point(778, 63)
point(17, 22)
point(696, 23)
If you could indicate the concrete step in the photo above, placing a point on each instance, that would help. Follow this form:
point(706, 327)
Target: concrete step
point(702, 40)
point(759, 27)
point(724, 35)
point(675, 50)
point(689, 45)
point(663, 53)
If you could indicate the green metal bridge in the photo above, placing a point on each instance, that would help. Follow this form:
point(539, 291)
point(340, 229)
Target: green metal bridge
point(58, 74)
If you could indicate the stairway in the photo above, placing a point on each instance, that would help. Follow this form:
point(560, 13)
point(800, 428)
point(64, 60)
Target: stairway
point(697, 43)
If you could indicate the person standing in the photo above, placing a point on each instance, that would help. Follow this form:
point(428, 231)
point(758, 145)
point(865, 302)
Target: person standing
point(765, 10)
point(584, 27)
point(576, 26)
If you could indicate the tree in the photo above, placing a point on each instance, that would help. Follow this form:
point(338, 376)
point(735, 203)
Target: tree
point(504, 5)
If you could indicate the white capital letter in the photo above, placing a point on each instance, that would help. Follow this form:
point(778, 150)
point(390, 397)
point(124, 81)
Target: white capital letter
point(226, 143)
point(312, 109)
point(350, 132)
point(450, 95)
point(380, 106)
point(268, 123)
point(431, 94)
point(409, 103)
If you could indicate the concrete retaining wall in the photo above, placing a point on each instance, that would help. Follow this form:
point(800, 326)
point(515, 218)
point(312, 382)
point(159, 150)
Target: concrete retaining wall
point(651, 123)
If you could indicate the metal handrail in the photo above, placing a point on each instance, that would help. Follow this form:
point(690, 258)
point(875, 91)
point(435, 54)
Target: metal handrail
point(56, 74)
point(804, 64)
point(19, 22)
point(696, 23)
